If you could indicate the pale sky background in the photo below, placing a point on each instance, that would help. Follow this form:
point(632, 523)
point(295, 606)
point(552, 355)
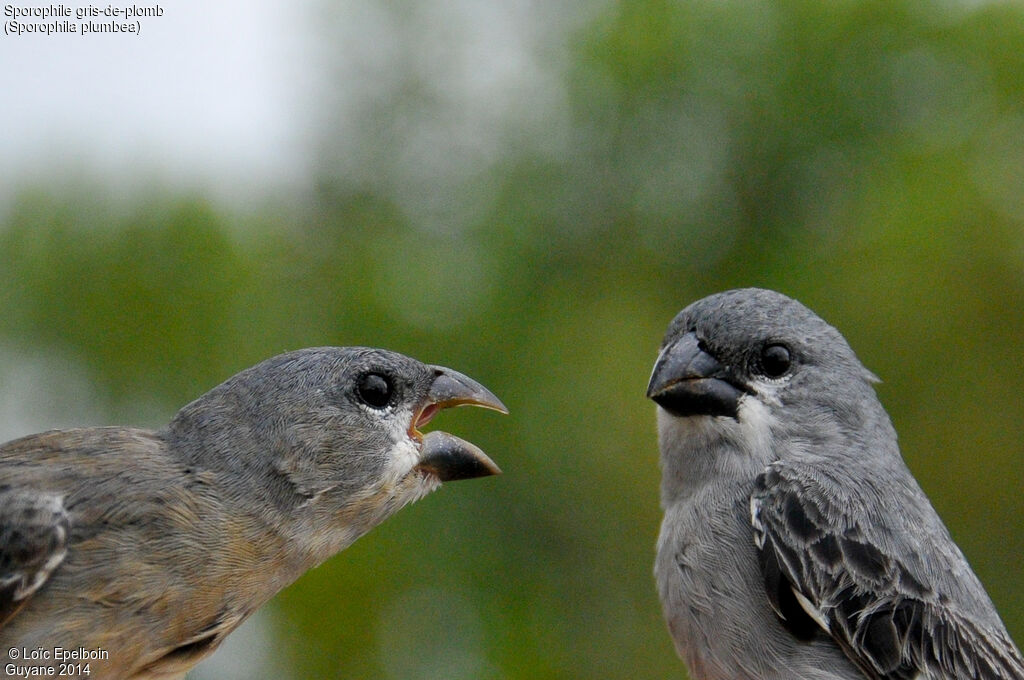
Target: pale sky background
point(206, 96)
point(226, 97)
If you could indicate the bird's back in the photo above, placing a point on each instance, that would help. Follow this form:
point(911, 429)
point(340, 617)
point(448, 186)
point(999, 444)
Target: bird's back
point(116, 486)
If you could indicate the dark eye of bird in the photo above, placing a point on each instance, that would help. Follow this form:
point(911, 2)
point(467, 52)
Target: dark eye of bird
point(775, 360)
point(374, 390)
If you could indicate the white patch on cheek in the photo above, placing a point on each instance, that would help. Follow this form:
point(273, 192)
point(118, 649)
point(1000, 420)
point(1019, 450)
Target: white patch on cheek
point(405, 453)
point(403, 459)
point(756, 424)
point(698, 449)
point(404, 456)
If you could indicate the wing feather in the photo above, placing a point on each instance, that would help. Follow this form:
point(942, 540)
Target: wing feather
point(34, 530)
point(829, 568)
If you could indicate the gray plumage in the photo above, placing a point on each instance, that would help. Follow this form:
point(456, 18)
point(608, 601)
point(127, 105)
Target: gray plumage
point(155, 545)
point(795, 542)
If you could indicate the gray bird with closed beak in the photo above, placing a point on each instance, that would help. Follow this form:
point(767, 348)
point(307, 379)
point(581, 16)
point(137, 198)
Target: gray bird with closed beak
point(151, 547)
point(796, 544)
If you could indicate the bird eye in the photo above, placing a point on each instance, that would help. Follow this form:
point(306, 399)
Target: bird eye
point(374, 390)
point(775, 360)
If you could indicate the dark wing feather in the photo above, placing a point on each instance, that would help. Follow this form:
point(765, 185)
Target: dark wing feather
point(34, 530)
point(825, 569)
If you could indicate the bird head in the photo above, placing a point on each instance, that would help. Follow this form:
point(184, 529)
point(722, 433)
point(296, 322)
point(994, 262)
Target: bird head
point(753, 369)
point(331, 436)
point(746, 345)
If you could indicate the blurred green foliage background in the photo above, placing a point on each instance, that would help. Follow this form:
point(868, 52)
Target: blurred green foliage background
point(866, 157)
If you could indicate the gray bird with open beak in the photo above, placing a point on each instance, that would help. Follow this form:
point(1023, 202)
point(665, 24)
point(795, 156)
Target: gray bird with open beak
point(795, 542)
point(153, 546)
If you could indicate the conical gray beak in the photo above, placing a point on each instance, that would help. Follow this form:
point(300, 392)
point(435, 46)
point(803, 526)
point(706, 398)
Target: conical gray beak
point(688, 381)
point(450, 458)
point(452, 388)
point(444, 455)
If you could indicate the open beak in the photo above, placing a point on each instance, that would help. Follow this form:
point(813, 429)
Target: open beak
point(444, 455)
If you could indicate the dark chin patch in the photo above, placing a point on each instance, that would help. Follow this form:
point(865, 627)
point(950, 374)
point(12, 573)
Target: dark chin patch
point(700, 397)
